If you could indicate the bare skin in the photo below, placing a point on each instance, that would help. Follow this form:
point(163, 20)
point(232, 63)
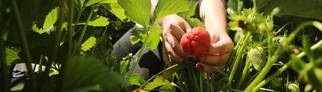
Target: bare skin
point(213, 14)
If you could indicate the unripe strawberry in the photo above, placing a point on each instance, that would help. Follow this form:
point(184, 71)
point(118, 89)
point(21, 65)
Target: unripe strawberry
point(196, 42)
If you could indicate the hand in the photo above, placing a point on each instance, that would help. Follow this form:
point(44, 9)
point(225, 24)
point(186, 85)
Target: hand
point(218, 53)
point(213, 13)
point(174, 27)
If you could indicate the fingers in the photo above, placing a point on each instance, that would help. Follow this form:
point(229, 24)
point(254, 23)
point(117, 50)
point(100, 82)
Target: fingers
point(222, 46)
point(172, 35)
point(185, 26)
point(177, 31)
point(165, 56)
point(171, 51)
point(219, 52)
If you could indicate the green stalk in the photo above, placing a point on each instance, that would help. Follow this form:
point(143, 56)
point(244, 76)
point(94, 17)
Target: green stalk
point(25, 45)
point(139, 55)
point(195, 80)
point(264, 71)
point(83, 32)
point(201, 82)
point(285, 67)
point(273, 59)
point(80, 11)
point(136, 60)
point(237, 60)
point(3, 66)
point(245, 71)
point(70, 30)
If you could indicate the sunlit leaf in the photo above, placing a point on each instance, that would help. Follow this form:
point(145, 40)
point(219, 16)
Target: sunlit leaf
point(18, 87)
point(166, 7)
point(153, 37)
point(89, 43)
point(137, 10)
point(116, 9)
point(157, 82)
point(12, 55)
point(138, 35)
point(136, 79)
point(188, 14)
point(88, 74)
point(124, 64)
point(318, 74)
point(92, 2)
point(50, 20)
point(99, 22)
point(194, 22)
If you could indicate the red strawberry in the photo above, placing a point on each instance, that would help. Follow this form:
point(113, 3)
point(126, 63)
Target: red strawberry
point(196, 42)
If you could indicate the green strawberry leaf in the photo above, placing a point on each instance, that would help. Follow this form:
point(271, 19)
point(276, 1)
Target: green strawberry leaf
point(137, 35)
point(157, 82)
point(88, 44)
point(88, 74)
point(99, 22)
point(166, 7)
point(116, 9)
point(136, 79)
point(11, 55)
point(153, 38)
point(50, 20)
point(137, 10)
point(91, 2)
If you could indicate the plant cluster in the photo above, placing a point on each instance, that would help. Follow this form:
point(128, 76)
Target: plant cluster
point(65, 45)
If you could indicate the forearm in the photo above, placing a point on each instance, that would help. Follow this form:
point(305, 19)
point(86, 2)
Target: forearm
point(213, 13)
point(153, 5)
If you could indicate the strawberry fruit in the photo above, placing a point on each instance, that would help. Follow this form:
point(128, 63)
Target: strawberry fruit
point(195, 42)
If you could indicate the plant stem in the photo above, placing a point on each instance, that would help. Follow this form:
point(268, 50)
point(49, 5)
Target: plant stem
point(285, 67)
point(273, 59)
point(201, 81)
point(78, 44)
point(265, 70)
point(136, 60)
point(25, 45)
point(245, 71)
point(3, 66)
point(237, 60)
point(59, 86)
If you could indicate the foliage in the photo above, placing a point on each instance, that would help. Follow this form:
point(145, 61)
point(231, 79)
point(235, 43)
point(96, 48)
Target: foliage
point(63, 37)
point(66, 46)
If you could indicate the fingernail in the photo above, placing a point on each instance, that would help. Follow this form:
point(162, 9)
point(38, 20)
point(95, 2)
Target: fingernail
point(199, 67)
point(215, 39)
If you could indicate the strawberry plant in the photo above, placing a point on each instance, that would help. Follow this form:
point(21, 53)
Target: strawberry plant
point(65, 45)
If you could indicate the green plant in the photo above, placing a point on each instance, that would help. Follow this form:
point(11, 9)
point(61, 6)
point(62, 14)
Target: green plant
point(66, 46)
